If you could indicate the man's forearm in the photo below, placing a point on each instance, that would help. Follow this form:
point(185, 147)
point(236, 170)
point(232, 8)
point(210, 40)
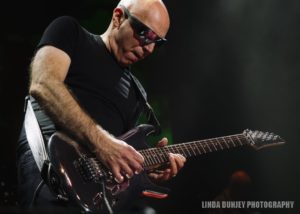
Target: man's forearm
point(61, 106)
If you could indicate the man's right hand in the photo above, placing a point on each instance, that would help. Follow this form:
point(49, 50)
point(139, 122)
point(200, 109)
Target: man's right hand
point(121, 158)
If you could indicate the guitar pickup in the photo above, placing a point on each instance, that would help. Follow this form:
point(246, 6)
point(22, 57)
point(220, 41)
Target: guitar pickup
point(153, 194)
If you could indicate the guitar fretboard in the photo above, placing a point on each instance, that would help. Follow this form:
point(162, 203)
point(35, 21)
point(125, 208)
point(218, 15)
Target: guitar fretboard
point(159, 155)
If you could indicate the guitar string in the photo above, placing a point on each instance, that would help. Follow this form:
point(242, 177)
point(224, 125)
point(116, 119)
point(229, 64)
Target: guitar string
point(192, 144)
point(195, 146)
point(158, 155)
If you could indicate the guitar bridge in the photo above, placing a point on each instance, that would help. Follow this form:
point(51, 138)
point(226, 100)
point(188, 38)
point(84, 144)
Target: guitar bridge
point(88, 169)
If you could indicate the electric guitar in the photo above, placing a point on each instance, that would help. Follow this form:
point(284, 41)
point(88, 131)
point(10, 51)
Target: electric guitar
point(78, 176)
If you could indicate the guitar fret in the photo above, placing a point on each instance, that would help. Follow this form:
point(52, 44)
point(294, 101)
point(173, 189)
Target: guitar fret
point(189, 154)
point(208, 146)
point(197, 147)
point(159, 156)
point(213, 143)
point(155, 158)
point(147, 160)
point(146, 163)
point(225, 142)
point(160, 159)
point(232, 141)
point(203, 148)
point(183, 152)
point(163, 153)
point(150, 157)
point(187, 149)
point(176, 149)
point(191, 146)
point(146, 156)
point(220, 144)
point(172, 149)
point(239, 140)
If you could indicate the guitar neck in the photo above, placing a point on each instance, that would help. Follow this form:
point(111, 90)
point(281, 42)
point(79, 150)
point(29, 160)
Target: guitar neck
point(159, 155)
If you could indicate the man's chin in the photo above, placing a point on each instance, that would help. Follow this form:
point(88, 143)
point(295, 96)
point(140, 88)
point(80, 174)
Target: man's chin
point(128, 62)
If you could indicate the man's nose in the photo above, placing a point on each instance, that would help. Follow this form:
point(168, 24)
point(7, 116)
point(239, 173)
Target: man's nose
point(149, 48)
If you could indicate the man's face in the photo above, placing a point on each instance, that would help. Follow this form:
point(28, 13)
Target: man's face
point(132, 44)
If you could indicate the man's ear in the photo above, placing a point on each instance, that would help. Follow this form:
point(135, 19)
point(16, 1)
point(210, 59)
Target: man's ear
point(117, 17)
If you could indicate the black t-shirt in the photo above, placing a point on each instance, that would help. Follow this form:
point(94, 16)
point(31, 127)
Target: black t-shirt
point(103, 89)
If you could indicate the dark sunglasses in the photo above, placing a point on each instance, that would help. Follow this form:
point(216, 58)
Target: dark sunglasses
point(145, 34)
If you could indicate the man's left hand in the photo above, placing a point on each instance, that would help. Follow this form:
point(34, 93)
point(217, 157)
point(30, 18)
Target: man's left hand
point(176, 163)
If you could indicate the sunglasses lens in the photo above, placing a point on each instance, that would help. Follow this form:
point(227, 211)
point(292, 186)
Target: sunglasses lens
point(145, 34)
point(151, 35)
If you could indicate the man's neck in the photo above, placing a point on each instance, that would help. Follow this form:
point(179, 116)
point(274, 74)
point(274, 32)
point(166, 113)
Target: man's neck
point(108, 43)
point(105, 39)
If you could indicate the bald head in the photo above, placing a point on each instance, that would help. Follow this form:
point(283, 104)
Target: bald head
point(122, 38)
point(152, 13)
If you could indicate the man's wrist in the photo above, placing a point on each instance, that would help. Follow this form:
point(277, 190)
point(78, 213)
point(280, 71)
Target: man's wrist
point(98, 136)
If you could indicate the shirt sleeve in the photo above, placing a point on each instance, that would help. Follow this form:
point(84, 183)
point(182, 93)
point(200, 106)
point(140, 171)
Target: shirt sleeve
point(61, 33)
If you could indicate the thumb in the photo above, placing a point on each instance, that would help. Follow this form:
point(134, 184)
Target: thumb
point(163, 142)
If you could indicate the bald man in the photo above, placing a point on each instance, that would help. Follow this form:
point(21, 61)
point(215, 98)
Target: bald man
point(81, 84)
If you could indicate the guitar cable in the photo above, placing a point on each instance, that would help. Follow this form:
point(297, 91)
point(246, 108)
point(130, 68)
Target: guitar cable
point(108, 207)
point(36, 192)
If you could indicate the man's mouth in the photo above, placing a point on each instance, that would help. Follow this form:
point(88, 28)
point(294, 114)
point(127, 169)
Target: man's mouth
point(138, 56)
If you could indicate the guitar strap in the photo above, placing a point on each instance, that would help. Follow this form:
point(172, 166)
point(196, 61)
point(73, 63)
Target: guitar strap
point(36, 143)
point(152, 190)
point(34, 135)
point(147, 109)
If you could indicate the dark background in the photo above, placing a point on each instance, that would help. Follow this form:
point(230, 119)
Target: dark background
point(227, 66)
